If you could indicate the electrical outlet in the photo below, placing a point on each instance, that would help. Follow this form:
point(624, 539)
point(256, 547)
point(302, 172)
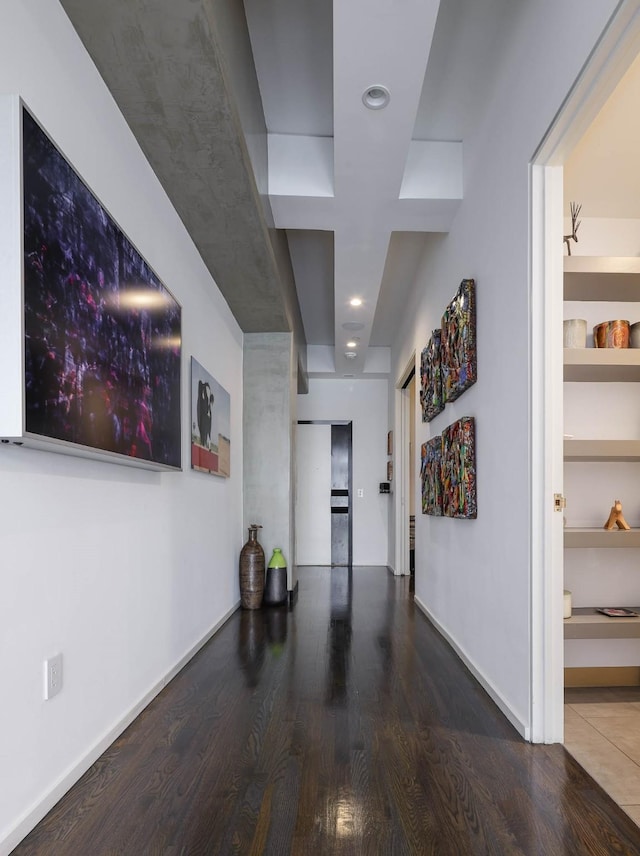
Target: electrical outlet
point(52, 676)
point(360, 492)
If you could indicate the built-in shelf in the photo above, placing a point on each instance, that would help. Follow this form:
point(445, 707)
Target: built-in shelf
point(613, 280)
point(601, 450)
point(574, 537)
point(586, 623)
point(602, 278)
point(602, 364)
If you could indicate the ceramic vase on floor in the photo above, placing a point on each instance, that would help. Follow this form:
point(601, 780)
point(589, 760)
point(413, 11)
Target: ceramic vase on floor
point(252, 571)
point(275, 591)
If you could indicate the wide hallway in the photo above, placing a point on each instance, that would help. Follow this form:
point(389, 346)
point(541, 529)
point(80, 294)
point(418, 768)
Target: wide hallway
point(345, 725)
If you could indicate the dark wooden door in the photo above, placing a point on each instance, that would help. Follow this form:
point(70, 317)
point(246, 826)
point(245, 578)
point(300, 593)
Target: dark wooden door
point(341, 510)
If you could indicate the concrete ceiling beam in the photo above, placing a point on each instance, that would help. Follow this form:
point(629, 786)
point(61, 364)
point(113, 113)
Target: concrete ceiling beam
point(163, 63)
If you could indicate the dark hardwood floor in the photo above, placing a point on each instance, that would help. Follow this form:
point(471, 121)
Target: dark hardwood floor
point(344, 726)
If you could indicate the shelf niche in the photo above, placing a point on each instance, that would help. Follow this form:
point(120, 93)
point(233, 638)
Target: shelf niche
point(601, 365)
point(610, 451)
point(575, 537)
point(586, 623)
point(602, 278)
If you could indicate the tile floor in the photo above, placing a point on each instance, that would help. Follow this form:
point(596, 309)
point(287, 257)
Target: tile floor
point(602, 732)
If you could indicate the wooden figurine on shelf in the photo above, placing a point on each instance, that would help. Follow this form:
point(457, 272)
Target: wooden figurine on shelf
point(616, 517)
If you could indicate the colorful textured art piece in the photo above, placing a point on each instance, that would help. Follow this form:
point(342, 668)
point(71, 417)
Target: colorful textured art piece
point(431, 379)
point(458, 343)
point(431, 453)
point(459, 469)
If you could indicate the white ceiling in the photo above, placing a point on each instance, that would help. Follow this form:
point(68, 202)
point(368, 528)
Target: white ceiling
point(358, 190)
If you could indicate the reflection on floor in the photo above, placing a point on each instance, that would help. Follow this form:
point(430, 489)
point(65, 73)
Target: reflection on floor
point(602, 732)
point(343, 725)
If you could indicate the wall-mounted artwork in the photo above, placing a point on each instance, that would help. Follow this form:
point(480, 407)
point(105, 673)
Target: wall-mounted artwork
point(459, 469)
point(390, 443)
point(210, 423)
point(389, 471)
point(102, 334)
point(430, 471)
point(431, 379)
point(458, 343)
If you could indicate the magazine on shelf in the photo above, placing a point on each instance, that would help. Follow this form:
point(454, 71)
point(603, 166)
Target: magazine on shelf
point(617, 612)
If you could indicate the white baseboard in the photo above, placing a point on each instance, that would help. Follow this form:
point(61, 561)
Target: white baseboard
point(34, 815)
point(521, 727)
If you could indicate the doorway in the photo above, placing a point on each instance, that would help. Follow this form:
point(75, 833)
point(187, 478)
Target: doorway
point(410, 387)
point(324, 510)
point(341, 506)
point(405, 470)
point(616, 51)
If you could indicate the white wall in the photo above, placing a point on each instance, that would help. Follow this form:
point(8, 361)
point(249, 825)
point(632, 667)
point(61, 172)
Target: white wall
point(474, 576)
point(365, 404)
point(606, 236)
point(122, 570)
point(602, 172)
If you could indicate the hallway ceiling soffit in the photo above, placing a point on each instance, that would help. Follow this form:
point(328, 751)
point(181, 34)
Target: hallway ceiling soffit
point(385, 185)
point(337, 167)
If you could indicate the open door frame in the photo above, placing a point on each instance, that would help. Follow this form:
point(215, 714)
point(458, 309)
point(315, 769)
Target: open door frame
point(616, 50)
point(401, 470)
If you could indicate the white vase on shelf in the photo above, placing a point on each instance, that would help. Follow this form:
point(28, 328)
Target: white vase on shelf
point(574, 332)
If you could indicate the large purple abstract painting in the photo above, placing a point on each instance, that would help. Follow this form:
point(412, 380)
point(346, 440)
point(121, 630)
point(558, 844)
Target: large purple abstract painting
point(102, 333)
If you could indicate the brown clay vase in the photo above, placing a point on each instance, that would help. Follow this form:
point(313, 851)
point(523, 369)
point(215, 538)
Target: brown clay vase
point(252, 571)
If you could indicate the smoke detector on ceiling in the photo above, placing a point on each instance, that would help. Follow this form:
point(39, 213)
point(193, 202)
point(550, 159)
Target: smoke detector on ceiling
point(376, 97)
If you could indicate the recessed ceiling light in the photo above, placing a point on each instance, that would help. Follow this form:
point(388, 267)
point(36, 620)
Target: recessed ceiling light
point(355, 301)
point(351, 344)
point(376, 97)
point(350, 355)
